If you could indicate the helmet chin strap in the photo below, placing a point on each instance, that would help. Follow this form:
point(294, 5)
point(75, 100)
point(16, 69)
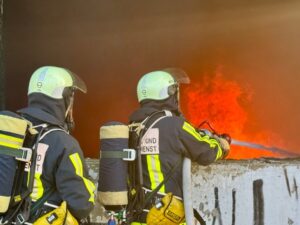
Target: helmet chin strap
point(69, 114)
point(178, 101)
point(174, 102)
point(178, 96)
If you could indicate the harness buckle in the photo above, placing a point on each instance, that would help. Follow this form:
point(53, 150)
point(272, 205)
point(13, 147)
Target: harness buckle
point(26, 156)
point(20, 218)
point(131, 154)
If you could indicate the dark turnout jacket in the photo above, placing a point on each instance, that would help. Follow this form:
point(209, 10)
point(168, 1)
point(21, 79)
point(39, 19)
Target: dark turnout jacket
point(166, 144)
point(60, 161)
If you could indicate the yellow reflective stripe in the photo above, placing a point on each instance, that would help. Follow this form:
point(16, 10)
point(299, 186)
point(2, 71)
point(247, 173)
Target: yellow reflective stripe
point(191, 130)
point(219, 153)
point(38, 189)
point(17, 198)
point(77, 163)
point(9, 145)
point(154, 170)
point(13, 125)
point(91, 187)
point(10, 138)
point(11, 142)
point(211, 141)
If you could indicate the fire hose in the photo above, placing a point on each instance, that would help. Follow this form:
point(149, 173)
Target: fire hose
point(246, 144)
point(262, 147)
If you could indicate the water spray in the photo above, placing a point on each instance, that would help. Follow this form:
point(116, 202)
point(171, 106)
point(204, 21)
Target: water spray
point(246, 144)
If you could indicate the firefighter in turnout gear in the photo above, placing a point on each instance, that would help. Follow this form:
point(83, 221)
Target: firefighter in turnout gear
point(167, 139)
point(61, 173)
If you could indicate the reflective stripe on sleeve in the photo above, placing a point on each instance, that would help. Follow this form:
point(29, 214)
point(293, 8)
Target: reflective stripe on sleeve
point(77, 163)
point(155, 173)
point(211, 141)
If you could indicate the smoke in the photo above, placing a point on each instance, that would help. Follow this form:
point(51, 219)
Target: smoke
point(110, 44)
point(258, 47)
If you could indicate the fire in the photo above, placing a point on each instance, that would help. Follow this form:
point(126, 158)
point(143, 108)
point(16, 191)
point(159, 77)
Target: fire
point(225, 104)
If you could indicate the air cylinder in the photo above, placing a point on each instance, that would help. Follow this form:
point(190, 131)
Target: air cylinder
point(112, 183)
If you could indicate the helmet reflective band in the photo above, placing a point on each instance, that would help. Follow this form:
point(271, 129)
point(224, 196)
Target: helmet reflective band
point(52, 81)
point(155, 85)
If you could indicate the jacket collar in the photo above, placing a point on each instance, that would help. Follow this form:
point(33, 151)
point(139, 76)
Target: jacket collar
point(40, 116)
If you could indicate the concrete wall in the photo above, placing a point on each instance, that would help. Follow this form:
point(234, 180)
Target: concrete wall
point(248, 192)
point(256, 192)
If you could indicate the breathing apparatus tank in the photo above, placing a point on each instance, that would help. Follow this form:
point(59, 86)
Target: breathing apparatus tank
point(7, 173)
point(13, 130)
point(114, 154)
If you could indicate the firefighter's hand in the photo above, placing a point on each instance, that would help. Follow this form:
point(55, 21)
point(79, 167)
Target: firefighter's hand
point(225, 145)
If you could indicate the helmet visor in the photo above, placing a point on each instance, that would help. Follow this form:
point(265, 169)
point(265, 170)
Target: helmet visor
point(78, 83)
point(179, 75)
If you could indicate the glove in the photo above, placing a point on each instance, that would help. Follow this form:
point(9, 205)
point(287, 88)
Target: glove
point(224, 141)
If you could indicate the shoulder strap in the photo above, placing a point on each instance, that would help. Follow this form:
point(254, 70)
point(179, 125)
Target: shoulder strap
point(46, 196)
point(51, 130)
point(135, 168)
point(24, 214)
point(154, 118)
point(147, 124)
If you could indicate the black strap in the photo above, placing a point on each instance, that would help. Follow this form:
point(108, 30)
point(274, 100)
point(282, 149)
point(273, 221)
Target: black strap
point(148, 123)
point(41, 201)
point(115, 154)
point(135, 168)
point(24, 214)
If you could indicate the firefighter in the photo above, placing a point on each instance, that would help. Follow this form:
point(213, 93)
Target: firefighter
point(60, 170)
point(168, 141)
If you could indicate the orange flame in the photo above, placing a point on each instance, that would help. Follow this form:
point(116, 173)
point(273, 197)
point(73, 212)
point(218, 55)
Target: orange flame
point(224, 104)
